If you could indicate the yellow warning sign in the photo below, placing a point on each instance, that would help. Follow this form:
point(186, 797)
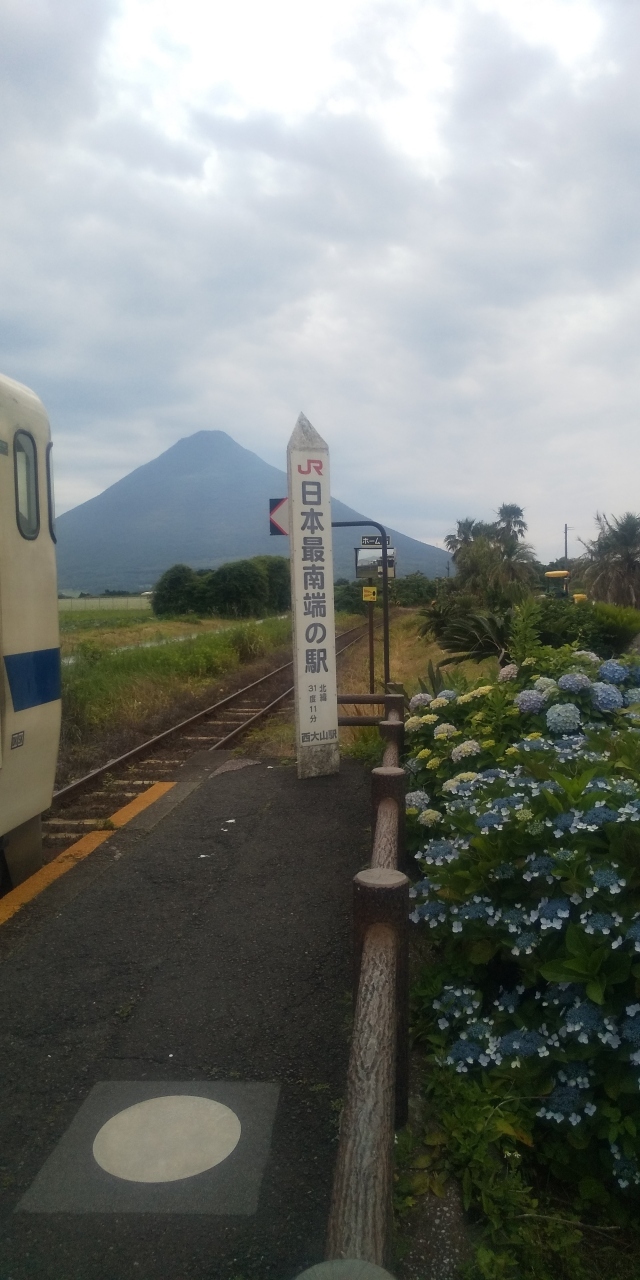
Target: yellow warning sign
point(370, 593)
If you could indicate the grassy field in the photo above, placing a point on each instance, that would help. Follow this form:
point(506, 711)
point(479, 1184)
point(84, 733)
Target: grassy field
point(119, 628)
point(127, 676)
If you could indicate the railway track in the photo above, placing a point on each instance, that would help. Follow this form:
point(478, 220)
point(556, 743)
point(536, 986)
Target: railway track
point(87, 803)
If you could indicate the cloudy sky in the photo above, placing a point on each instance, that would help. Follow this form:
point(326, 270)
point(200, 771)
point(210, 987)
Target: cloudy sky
point(416, 220)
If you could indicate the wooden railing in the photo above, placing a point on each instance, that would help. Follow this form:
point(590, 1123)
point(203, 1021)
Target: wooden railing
point(376, 1097)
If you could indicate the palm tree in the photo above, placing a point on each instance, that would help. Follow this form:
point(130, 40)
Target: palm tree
point(496, 571)
point(612, 563)
point(511, 522)
point(464, 534)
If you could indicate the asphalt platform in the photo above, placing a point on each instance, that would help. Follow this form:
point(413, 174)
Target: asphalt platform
point(201, 953)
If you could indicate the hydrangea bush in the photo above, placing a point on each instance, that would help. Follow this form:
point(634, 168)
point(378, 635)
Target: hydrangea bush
point(529, 790)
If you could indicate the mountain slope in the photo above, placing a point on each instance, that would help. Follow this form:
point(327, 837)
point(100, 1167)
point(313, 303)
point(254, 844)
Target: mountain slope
point(202, 502)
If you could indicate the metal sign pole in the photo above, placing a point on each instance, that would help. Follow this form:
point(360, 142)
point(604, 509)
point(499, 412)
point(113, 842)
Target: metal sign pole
point(353, 524)
point(314, 635)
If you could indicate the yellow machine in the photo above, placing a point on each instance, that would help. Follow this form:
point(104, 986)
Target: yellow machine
point(29, 635)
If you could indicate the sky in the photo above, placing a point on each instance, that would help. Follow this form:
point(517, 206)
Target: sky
point(415, 220)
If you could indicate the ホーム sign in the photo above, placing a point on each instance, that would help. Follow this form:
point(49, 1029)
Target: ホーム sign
point(314, 639)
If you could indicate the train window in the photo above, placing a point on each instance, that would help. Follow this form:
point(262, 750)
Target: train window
point(26, 477)
point(51, 495)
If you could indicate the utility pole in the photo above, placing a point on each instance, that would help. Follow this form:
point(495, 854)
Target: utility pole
point(566, 546)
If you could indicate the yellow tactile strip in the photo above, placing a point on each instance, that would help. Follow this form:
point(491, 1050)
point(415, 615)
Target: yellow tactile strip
point(30, 888)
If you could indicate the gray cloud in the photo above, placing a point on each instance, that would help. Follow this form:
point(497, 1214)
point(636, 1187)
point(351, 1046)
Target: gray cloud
point(461, 339)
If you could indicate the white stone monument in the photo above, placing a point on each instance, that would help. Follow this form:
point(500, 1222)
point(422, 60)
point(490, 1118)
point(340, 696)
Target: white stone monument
point(314, 634)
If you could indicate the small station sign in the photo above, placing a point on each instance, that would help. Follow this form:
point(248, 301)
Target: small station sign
point(314, 636)
point(370, 594)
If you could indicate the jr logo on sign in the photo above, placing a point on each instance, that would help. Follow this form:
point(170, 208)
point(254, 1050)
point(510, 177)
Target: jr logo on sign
point(314, 464)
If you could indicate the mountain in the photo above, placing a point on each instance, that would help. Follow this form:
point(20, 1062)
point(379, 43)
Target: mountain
point(202, 502)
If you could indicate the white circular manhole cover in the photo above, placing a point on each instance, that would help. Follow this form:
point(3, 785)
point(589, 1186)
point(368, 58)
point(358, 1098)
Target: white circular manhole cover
point(164, 1139)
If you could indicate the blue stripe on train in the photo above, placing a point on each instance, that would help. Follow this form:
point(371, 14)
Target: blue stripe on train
point(33, 678)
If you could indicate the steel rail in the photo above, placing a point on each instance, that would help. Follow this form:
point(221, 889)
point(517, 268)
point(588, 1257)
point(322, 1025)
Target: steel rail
point(143, 747)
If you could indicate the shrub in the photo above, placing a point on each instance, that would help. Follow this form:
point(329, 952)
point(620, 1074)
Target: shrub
point(414, 589)
point(531, 892)
point(607, 628)
point(239, 589)
point(278, 581)
point(175, 592)
point(348, 596)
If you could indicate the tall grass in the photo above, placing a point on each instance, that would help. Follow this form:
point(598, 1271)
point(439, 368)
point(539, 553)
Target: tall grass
point(105, 689)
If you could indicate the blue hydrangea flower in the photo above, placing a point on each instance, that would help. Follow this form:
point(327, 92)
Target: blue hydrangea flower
point(490, 775)
point(632, 697)
point(471, 911)
point(538, 865)
point(631, 1030)
point(417, 800)
point(634, 675)
point(563, 718)
point(530, 701)
point(480, 1030)
point(508, 1001)
point(449, 694)
point(465, 1052)
point(606, 697)
point(523, 1043)
point(574, 682)
point(504, 871)
point(587, 1020)
point(563, 821)
point(514, 918)
point(439, 852)
point(625, 1168)
point(525, 943)
point(413, 766)
point(613, 672)
point(562, 993)
point(489, 821)
point(633, 934)
point(608, 878)
point(420, 700)
point(562, 1103)
point(551, 914)
point(597, 922)
point(434, 913)
point(598, 816)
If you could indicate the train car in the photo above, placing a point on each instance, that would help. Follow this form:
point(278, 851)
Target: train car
point(29, 633)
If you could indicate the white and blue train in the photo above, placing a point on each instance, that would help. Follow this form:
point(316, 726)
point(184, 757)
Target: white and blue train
point(29, 631)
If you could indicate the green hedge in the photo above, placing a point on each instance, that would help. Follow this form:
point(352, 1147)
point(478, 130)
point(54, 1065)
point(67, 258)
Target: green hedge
point(605, 628)
point(240, 589)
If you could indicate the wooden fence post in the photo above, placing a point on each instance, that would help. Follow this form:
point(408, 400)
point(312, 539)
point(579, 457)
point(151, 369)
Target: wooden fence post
point(381, 896)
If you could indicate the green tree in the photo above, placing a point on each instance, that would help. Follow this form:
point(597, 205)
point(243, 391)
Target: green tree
point(278, 574)
point(239, 589)
point(496, 573)
point(175, 592)
point(463, 536)
point(612, 560)
point(511, 522)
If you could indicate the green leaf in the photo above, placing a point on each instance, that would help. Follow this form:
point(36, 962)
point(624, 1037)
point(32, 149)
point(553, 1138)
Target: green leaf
point(482, 952)
point(576, 940)
point(595, 990)
point(557, 971)
point(617, 967)
point(592, 1189)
